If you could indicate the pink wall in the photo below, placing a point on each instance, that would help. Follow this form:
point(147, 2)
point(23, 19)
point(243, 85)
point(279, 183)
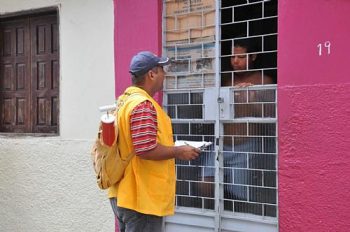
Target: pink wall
point(313, 103)
point(137, 27)
point(314, 113)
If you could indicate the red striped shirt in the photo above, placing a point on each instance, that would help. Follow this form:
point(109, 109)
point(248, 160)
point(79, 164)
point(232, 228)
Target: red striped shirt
point(143, 124)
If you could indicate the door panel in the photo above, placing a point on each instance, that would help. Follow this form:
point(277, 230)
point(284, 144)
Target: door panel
point(233, 182)
point(15, 76)
point(44, 62)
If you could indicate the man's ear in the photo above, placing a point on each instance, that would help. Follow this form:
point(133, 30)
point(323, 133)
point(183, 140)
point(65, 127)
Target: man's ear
point(150, 74)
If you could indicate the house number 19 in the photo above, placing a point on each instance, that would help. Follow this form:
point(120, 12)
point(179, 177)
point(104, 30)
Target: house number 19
point(326, 45)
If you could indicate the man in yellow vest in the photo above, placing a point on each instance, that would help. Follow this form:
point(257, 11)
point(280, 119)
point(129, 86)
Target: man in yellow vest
point(147, 191)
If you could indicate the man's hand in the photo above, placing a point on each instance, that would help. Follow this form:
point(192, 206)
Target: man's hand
point(186, 152)
point(161, 152)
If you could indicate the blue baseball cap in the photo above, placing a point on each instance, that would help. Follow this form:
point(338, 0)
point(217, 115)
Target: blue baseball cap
point(144, 61)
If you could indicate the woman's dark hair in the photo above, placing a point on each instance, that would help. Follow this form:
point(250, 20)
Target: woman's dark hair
point(251, 44)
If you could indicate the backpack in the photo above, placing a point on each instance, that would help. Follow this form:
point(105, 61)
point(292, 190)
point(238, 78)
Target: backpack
point(108, 164)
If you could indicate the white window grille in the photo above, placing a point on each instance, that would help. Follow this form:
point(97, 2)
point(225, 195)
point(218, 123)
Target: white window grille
point(237, 175)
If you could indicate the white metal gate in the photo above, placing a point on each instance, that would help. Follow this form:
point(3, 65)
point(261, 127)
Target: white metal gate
point(210, 97)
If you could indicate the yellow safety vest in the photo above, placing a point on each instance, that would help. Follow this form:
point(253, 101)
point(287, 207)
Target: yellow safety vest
point(147, 186)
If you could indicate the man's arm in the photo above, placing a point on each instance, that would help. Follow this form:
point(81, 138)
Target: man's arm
point(161, 152)
point(144, 137)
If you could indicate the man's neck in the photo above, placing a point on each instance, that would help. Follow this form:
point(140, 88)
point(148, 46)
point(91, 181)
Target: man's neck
point(147, 90)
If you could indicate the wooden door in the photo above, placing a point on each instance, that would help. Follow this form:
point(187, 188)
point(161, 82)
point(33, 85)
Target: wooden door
point(29, 74)
point(44, 73)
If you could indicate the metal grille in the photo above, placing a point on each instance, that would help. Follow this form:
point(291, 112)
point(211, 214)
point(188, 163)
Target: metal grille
point(252, 22)
point(248, 170)
point(193, 188)
point(185, 105)
point(190, 43)
point(254, 102)
point(248, 151)
point(243, 165)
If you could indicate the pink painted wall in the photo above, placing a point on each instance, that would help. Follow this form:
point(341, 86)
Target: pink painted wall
point(313, 103)
point(138, 27)
point(314, 114)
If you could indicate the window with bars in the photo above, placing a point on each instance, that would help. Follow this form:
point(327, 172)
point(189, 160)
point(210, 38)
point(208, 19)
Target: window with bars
point(29, 73)
point(222, 88)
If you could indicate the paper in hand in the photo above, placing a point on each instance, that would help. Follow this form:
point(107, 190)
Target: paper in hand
point(201, 145)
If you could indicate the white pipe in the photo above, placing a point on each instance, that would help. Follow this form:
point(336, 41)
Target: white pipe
point(107, 107)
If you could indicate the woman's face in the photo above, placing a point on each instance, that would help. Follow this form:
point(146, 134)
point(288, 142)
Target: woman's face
point(240, 60)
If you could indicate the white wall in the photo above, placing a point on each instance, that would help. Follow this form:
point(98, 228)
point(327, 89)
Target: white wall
point(87, 64)
point(46, 183)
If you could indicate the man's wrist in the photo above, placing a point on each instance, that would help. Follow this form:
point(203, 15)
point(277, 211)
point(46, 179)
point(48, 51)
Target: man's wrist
point(175, 151)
